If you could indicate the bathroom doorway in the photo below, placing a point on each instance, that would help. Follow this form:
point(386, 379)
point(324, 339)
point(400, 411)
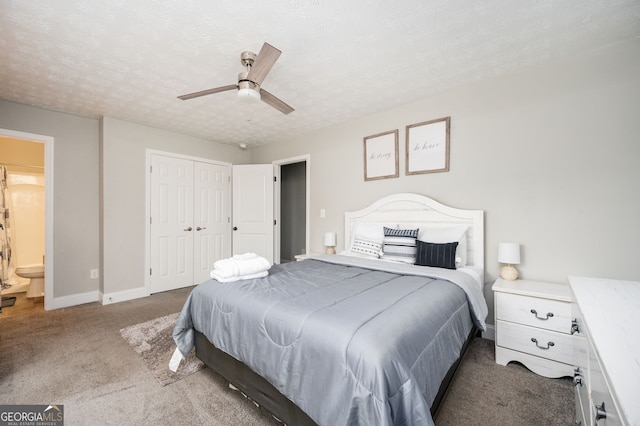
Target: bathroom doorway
point(24, 229)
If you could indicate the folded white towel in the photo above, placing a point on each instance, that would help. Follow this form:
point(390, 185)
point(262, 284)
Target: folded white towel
point(240, 265)
point(216, 276)
point(237, 257)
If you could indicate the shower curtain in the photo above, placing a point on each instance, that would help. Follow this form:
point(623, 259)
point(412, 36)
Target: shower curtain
point(6, 264)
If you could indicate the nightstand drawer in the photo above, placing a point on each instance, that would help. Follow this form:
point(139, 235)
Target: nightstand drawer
point(536, 312)
point(535, 341)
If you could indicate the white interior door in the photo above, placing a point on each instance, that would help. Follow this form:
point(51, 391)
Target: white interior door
point(253, 226)
point(171, 232)
point(212, 217)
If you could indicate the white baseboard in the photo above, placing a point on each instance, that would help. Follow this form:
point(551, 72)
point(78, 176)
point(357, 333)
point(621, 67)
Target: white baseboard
point(73, 300)
point(121, 296)
point(490, 333)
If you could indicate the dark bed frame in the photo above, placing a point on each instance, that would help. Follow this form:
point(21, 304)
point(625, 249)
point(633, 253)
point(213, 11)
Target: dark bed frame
point(266, 395)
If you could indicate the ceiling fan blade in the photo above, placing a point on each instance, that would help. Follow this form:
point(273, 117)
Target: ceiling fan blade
point(208, 92)
point(267, 56)
point(275, 102)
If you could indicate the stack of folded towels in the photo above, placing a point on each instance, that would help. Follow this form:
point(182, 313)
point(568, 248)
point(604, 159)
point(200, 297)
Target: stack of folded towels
point(240, 267)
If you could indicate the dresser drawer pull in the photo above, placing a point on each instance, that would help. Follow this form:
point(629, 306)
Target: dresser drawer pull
point(601, 413)
point(577, 377)
point(549, 344)
point(575, 328)
point(549, 315)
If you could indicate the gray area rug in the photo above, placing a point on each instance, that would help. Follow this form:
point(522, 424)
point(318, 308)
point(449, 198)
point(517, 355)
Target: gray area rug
point(153, 341)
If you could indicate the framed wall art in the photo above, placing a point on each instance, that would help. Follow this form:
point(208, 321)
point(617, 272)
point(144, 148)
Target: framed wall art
point(381, 156)
point(427, 149)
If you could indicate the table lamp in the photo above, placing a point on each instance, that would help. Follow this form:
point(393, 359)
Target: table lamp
point(330, 242)
point(509, 253)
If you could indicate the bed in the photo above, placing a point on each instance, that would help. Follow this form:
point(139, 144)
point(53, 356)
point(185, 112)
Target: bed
point(353, 338)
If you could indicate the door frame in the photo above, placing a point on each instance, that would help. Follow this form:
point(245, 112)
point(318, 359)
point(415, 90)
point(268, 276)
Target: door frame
point(147, 230)
point(49, 302)
point(277, 172)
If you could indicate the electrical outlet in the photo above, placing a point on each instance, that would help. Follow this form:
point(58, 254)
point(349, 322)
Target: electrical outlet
point(93, 273)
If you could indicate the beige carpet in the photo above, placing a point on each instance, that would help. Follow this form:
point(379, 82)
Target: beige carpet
point(153, 341)
point(485, 393)
point(77, 357)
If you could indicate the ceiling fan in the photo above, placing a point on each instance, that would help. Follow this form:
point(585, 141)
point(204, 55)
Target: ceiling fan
point(249, 81)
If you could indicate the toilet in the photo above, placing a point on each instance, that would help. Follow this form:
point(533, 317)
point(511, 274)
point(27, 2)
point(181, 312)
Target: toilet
point(36, 274)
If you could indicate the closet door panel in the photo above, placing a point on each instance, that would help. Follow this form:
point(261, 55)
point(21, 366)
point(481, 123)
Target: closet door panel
point(212, 210)
point(171, 223)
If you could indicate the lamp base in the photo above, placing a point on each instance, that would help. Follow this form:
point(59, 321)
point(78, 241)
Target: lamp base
point(330, 250)
point(509, 273)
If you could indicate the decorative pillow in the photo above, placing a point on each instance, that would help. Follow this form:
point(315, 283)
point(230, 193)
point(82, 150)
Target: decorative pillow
point(437, 255)
point(400, 245)
point(366, 231)
point(448, 235)
point(366, 248)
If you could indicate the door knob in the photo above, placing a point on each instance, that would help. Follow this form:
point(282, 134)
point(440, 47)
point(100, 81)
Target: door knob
point(200, 229)
point(188, 229)
point(235, 228)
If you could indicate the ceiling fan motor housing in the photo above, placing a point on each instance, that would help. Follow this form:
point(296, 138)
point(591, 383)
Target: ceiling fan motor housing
point(243, 83)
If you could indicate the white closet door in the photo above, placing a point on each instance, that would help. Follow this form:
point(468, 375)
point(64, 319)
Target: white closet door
point(172, 227)
point(212, 211)
point(253, 226)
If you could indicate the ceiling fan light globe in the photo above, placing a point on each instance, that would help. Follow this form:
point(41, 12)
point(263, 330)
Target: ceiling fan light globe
point(248, 95)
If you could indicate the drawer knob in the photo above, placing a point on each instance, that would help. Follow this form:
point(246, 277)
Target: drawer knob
point(574, 326)
point(577, 380)
point(549, 344)
point(601, 413)
point(577, 377)
point(549, 315)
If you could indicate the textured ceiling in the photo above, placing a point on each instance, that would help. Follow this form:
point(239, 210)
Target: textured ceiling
point(341, 59)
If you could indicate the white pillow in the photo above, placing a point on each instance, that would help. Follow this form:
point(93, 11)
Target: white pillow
point(366, 231)
point(367, 248)
point(448, 235)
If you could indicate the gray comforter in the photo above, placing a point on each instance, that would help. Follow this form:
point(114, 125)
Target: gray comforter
point(347, 342)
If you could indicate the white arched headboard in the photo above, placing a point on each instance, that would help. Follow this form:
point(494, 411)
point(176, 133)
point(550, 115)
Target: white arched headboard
point(408, 210)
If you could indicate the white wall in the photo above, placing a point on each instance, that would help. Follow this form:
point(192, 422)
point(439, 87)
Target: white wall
point(123, 156)
point(550, 155)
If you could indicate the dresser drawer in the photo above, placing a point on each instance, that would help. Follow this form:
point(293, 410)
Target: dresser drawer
point(548, 344)
point(536, 312)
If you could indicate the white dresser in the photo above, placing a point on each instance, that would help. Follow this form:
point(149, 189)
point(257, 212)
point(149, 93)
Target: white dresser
point(534, 326)
point(607, 378)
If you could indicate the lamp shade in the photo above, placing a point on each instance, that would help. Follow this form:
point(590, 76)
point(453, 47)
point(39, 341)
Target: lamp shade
point(330, 239)
point(509, 253)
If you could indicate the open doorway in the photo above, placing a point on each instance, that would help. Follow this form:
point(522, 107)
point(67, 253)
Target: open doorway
point(293, 195)
point(292, 207)
point(25, 240)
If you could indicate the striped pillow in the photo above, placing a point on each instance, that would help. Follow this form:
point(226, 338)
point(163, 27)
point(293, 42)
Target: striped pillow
point(400, 245)
point(438, 255)
point(366, 248)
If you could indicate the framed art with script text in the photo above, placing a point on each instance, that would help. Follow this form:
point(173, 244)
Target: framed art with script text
point(427, 148)
point(381, 156)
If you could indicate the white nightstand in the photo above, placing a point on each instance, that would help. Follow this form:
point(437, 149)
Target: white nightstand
point(534, 326)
